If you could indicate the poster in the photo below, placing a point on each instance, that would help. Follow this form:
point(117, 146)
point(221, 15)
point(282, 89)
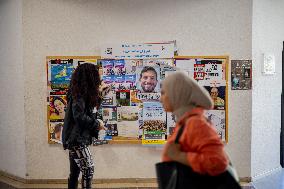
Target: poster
point(55, 132)
point(108, 67)
point(213, 70)
point(241, 75)
point(186, 66)
point(130, 66)
point(110, 99)
point(123, 97)
point(218, 96)
point(218, 119)
point(170, 123)
point(127, 121)
point(109, 113)
point(132, 109)
point(148, 79)
point(154, 121)
point(57, 108)
point(138, 51)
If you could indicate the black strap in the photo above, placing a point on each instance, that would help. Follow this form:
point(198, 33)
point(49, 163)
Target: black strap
point(181, 130)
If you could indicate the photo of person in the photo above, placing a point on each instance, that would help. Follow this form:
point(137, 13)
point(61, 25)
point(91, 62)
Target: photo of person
point(235, 81)
point(218, 96)
point(108, 67)
point(123, 98)
point(247, 72)
point(148, 79)
point(119, 67)
point(241, 76)
point(57, 107)
point(111, 130)
point(56, 132)
point(109, 113)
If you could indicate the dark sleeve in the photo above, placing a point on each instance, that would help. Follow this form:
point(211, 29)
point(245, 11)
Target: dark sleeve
point(81, 117)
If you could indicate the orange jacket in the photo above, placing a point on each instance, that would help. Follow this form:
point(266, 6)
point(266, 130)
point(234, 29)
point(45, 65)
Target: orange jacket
point(204, 148)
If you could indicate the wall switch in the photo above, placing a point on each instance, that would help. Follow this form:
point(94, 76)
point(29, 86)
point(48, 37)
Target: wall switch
point(268, 67)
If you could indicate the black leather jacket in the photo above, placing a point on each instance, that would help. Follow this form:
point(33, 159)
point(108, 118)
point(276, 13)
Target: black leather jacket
point(80, 124)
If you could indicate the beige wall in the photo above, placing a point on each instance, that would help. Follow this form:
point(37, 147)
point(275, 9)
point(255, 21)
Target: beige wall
point(61, 27)
point(268, 37)
point(238, 28)
point(12, 117)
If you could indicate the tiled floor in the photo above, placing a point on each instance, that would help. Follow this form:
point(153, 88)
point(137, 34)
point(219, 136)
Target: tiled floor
point(95, 186)
point(273, 181)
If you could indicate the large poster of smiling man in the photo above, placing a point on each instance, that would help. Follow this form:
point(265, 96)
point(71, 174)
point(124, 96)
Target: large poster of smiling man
point(148, 79)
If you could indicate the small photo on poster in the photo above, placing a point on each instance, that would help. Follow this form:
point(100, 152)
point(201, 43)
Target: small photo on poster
point(241, 76)
point(108, 68)
point(170, 123)
point(218, 96)
point(129, 113)
point(127, 125)
point(130, 66)
point(57, 106)
point(109, 80)
point(60, 75)
point(119, 67)
point(130, 82)
point(148, 79)
point(165, 70)
point(133, 98)
point(109, 113)
point(218, 119)
point(154, 118)
point(158, 126)
point(123, 98)
point(109, 99)
point(111, 129)
point(55, 131)
point(119, 81)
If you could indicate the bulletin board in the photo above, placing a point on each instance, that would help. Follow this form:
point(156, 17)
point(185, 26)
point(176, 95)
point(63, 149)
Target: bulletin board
point(131, 111)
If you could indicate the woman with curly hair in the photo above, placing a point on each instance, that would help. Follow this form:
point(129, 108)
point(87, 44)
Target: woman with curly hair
point(80, 123)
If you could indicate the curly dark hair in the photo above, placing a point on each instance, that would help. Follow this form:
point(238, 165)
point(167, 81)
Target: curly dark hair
point(85, 82)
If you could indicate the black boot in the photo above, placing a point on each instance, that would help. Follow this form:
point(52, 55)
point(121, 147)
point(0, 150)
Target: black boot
point(72, 183)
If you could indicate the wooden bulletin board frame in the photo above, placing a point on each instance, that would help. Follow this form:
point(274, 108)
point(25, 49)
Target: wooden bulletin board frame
point(124, 140)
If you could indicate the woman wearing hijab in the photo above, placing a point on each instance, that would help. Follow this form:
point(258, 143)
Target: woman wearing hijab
point(199, 146)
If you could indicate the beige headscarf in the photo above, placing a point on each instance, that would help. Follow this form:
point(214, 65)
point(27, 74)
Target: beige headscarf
point(185, 94)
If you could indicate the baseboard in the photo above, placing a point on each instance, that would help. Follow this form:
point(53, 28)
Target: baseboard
point(245, 179)
point(12, 177)
point(266, 173)
point(129, 183)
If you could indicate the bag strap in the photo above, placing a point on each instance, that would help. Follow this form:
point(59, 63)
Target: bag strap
point(181, 130)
